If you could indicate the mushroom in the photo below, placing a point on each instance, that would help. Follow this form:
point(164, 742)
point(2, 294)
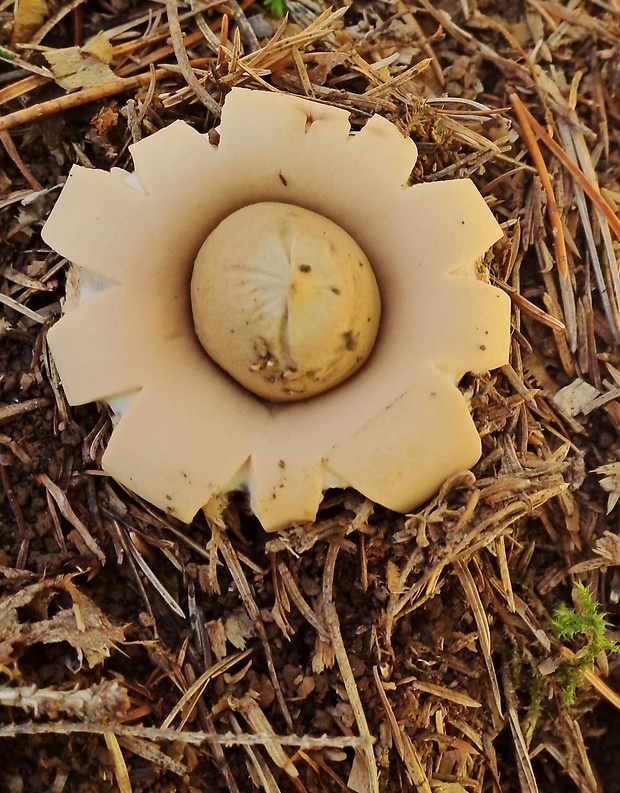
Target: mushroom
point(285, 301)
point(161, 258)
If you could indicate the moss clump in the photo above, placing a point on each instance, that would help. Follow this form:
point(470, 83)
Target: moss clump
point(584, 620)
point(277, 7)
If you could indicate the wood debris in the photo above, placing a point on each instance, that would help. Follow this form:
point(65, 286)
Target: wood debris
point(369, 651)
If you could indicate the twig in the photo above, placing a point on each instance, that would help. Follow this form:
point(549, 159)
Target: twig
point(245, 29)
point(19, 518)
point(176, 35)
point(78, 98)
point(10, 412)
point(100, 702)
point(185, 736)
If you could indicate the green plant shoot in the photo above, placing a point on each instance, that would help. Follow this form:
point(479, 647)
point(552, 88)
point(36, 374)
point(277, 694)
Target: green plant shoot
point(278, 7)
point(585, 620)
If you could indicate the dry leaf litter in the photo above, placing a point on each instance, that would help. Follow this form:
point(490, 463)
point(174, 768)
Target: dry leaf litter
point(370, 651)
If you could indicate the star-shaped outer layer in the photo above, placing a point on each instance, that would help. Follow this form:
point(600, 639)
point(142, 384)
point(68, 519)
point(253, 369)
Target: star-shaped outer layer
point(394, 431)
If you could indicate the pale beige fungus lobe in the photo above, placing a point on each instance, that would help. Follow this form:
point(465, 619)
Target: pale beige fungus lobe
point(187, 431)
point(285, 301)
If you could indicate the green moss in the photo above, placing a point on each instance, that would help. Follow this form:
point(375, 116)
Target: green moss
point(583, 622)
point(277, 7)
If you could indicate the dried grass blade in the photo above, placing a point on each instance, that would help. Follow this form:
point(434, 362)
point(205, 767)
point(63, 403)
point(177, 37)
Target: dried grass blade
point(554, 309)
point(255, 58)
point(533, 310)
point(403, 743)
point(505, 573)
point(484, 634)
point(21, 87)
point(469, 136)
point(216, 748)
point(519, 386)
point(60, 497)
point(176, 35)
point(595, 681)
point(19, 195)
point(300, 602)
point(415, 767)
point(253, 714)
point(120, 767)
point(152, 753)
point(303, 72)
point(271, 55)
point(443, 693)
point(585, 160)
point(230, 557)
point(559, 243)
point(7, 142)
point(500, 520)
point(331, 618)
point(527, 777)
point(159, 587)
point(590, 189)
point(260, 766)
point(400, 79)
point(394, 727)
point(611, 311)
point(422, 41)
point(27, 312)
point(197, 688)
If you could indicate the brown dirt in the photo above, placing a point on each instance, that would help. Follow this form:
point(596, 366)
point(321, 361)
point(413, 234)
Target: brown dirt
point(439, 621)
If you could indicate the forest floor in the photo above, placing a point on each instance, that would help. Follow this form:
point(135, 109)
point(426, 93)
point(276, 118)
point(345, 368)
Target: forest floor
point(369, 651)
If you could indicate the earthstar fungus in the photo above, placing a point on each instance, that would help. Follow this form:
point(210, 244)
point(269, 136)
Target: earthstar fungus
point(164, 256)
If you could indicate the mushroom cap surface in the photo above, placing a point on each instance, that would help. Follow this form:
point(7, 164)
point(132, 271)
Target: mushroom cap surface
point(187, 432)
point(285, 301)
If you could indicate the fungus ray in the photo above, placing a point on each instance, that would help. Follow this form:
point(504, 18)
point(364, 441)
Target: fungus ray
point(434, 428)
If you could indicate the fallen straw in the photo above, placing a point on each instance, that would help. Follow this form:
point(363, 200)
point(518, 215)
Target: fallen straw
point(559, 243)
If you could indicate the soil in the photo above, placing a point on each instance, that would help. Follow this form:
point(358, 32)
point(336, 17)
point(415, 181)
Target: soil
point(368, 651)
